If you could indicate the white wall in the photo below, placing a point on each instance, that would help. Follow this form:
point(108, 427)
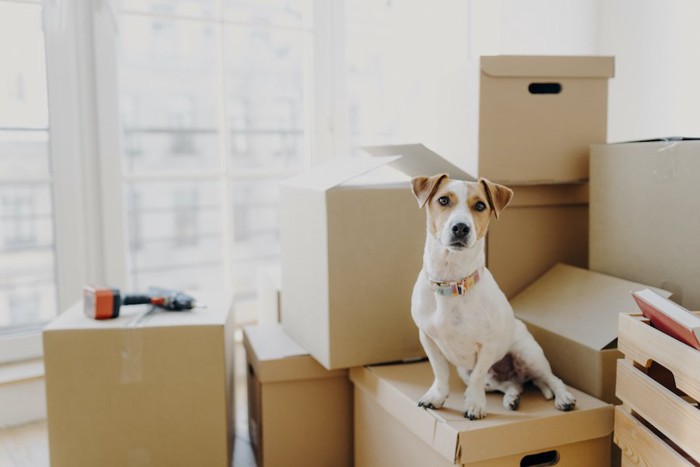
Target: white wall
point(656, 89)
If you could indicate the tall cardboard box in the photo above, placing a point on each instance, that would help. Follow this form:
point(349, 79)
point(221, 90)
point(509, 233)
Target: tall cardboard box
point(538, 115)
point(644, 222)
point(543, 225)
point(147, 388)
point(573, 314)
point(390, 430)
point(352, 248)
point(299, 413)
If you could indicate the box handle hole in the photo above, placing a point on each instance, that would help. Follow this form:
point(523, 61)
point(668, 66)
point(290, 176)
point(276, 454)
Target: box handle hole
point(251, 371)
point(544, 88)
point(540, 459)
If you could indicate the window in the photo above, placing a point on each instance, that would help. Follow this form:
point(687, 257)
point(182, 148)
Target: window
point(27, 256)
point(214, 111)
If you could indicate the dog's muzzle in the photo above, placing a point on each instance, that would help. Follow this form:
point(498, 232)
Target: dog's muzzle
point(459, 235)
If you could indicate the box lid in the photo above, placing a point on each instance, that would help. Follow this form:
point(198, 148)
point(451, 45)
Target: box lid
point(548, 66)
point(417, 160)
point(337, 171)
point(667, 140)
point(144, 316)
point(535, 425)
point(579, 304)
point(276, 357)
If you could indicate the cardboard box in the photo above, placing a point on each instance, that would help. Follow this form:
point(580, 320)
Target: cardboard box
point(390, 430)
point(572, 313)
point(543, 225)
point(269, 294)
point(352, 248)
point(143, 389)
point(644, 227)
point(538, 115)
point(299, 413)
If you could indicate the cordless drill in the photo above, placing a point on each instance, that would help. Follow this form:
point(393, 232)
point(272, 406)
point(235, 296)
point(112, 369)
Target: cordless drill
point(105, 302)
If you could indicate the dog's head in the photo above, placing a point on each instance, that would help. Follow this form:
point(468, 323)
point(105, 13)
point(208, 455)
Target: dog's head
point(459, 212)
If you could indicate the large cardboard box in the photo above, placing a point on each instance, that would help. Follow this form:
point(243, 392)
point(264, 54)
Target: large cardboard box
point(538, 116)
point(147, 388)
point(543, 225)
point(299, 413)
point(573, 314)
point(645, 198)
point(352, 248)
point(390, 430)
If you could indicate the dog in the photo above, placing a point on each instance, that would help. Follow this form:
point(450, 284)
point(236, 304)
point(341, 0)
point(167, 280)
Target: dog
point(462, 315)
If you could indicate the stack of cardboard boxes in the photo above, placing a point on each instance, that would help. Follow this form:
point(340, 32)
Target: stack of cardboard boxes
point(337, 382)
point(352, 243)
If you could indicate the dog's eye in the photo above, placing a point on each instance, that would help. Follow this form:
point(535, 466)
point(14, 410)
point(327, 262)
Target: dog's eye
point(480, 206)
point(444, 200)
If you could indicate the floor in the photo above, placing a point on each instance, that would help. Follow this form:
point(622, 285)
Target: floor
point(27, 445)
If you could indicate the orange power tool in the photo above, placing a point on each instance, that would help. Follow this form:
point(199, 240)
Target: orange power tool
point(105, 302)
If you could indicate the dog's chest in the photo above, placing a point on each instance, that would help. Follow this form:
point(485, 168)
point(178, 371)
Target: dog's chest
point(460, 326)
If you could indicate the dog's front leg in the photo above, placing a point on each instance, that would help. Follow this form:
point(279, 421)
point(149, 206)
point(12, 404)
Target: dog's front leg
point(438, 392)
point(475, 395)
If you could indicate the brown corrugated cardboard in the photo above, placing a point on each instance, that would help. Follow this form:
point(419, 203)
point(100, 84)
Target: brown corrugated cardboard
point(351, 253)
point(573, 313)
point(544, 225)
point(391, 430)
point(299, 413)
point(644, 222)
point(144, 389)
point(530, 137)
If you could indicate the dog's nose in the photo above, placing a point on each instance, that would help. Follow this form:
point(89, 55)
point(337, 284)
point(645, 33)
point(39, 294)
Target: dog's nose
point(460, 230)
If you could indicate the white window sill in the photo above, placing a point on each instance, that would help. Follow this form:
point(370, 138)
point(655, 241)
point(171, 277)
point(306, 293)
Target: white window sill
point(11, 373)
point(22, 392)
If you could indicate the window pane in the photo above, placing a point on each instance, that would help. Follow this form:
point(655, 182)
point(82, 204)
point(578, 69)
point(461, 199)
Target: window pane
point(27, 259)
point(255, 230)
point(24, 152)
point(23, 70)
point(27, 283)
point(176, 234)
point(289, 13)
point(169, 94)
point(265, 100)
point(194, 8)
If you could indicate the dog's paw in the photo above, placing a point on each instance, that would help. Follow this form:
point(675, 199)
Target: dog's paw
point(565, 401)
point(433, 399)
point(474, 409)
point(511, 401)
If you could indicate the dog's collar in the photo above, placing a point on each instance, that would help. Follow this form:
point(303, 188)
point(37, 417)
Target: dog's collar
point(455, 288)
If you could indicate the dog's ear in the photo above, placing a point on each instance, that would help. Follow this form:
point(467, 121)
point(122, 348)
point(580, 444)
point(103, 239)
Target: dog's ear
point(425, 187)
point(499, 196)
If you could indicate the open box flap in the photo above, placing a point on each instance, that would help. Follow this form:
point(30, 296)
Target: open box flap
point(417, 160)
point(332, 173)
point(548, 66)
point(579, 304)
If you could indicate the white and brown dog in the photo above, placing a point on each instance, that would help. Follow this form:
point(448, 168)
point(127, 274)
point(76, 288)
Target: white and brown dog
point(463, 316)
